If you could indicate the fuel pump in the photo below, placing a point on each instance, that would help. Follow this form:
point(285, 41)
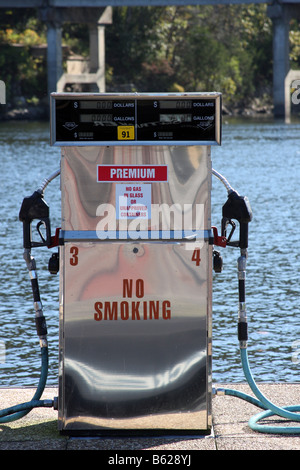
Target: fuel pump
point(135, 261)
point(135, 255)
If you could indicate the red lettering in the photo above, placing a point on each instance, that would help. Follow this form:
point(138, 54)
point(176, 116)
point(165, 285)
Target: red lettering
point(139, 288)
point(124, 310)
point(98, 314)
point(166, 310)
point(110, 310)
point(146, 310)
point(135, 310)
point(127, 288)
point(74, 252)
point(154, 308)
point(196, 256)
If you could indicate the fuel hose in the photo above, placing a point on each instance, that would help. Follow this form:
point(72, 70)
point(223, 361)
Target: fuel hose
point(16, 412)
point(19, 411)
point(270, 409)
point(290, 413)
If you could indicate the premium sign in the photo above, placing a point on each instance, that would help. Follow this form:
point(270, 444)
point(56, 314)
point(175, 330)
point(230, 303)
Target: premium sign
point(113, 173)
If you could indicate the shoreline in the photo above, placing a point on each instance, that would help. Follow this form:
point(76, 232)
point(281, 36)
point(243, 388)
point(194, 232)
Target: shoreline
point(30, 113)
point(42, 112)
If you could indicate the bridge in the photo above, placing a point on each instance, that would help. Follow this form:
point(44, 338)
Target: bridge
point(98, 13)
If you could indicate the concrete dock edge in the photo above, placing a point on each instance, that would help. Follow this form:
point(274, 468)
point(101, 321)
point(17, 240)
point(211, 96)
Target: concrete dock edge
point(39, 429)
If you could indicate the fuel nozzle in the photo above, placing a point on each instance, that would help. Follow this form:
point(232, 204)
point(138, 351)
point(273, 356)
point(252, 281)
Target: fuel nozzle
point(236, 208)
point(34, 207)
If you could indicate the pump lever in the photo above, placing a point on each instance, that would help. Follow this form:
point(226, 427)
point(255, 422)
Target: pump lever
point(224, 224)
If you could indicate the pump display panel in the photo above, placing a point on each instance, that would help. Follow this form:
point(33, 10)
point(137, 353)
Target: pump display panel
point(135, 119)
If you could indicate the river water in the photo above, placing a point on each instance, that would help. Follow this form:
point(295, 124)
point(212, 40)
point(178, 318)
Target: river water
point(260, 160)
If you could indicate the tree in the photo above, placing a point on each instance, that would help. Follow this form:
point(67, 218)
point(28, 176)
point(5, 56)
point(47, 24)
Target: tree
point(224, 48)
point(23, 74)
point(131, 41)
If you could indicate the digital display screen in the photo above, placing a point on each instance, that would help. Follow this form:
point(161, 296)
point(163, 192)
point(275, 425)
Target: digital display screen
point(95, 117)
point(85, 135)
point(175, 104)
point(173, 117)
point(91, 104)
point(133, 118)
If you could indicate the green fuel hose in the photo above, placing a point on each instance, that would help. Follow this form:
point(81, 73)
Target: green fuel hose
point(18, 411)
point(236, 208)
point(34, 207)
point(285, 412)
point(288, 412)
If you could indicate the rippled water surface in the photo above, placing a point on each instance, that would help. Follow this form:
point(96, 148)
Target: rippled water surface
point(260, 160)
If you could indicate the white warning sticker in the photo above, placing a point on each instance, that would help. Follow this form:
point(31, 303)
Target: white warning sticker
point(133, 201)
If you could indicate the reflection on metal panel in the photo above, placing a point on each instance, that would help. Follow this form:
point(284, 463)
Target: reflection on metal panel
point(85, 199)
point(135, 334)
point(136, 292)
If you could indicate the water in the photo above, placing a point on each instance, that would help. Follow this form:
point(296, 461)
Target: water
point(260, 160)
point(26, 159)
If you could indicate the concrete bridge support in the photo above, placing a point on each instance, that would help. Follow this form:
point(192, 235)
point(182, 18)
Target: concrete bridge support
point(54, 54)
point(95, 19)
point(292, 83)
point(281, 14)
point(97, 13)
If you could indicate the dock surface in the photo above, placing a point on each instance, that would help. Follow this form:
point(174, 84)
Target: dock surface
point(39, 429)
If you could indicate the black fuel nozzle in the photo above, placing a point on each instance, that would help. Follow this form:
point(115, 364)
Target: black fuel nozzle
point(238, 208)
point(34, 207)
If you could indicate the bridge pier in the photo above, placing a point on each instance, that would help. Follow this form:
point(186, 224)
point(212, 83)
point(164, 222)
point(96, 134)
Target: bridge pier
point(92, 12)
point(281, 15)
point(54, 54)
point(96, 19)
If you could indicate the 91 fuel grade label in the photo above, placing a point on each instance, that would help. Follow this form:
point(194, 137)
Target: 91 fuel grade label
point(126, 133)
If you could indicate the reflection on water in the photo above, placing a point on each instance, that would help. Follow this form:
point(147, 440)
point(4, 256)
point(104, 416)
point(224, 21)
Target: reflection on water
point(260, 160)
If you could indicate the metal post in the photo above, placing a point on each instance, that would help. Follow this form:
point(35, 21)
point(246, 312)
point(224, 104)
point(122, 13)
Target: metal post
point(280, 19)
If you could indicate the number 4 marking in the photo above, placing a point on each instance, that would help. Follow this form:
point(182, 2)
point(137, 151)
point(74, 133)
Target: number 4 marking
point(196, 256)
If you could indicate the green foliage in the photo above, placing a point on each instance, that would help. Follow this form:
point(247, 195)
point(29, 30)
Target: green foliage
point(23, 74)
point(225, 48)
point(295, 45)
point(76, 37)
point(131, 41)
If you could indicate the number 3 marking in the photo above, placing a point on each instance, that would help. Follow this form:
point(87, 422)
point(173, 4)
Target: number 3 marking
point(74, 258)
